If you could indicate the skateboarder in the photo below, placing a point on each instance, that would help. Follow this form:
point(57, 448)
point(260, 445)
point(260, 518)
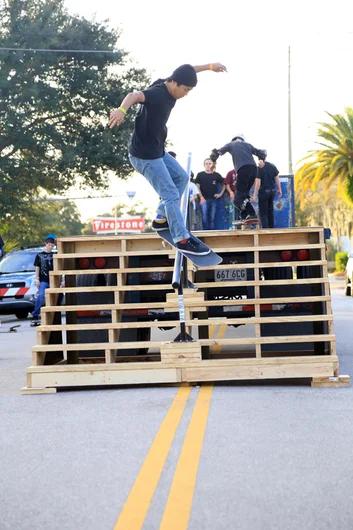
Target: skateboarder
point(43, 263)
point(244, 164)
point(147, 154)
point(266, 183)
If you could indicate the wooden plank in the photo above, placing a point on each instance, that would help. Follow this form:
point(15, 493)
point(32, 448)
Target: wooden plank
point(343, 378)
point(257, 294)
point(112, 271)
point(328, 293)
point(157, 268)
point(198, 233)
point(34, 390)
point(110, 288)
point(178, 354)
point(188, 302)
point(341, 381)
point(260, 371)
point(308, 359)
point(203, 285)
point(196, 298)
point(290, 238)
point(223, 250)
point(205, 342)
point(91, 376)
point(193, 322)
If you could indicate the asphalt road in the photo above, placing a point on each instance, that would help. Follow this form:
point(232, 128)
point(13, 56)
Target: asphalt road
point(247, 457)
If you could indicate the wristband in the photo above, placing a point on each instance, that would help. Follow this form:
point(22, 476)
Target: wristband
point(122, 110)
point(211, 66)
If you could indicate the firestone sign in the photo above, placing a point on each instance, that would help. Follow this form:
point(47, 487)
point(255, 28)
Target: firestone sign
point(111, 224)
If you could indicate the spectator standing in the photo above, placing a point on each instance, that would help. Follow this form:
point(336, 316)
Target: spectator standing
point(266, 184)
point(231, 186)
point(208, 182)
point(193, 194)
point(44, 264)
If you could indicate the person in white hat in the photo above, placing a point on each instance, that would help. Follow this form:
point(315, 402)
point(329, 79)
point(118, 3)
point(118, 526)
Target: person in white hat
point(244, 164)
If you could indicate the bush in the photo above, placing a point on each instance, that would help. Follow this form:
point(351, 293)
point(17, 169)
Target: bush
point(341, 259)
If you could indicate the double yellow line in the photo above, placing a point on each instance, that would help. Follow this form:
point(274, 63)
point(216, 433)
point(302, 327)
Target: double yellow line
point(177, 511)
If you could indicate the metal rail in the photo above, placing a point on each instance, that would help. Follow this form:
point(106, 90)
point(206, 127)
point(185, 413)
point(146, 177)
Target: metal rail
point(180, 273)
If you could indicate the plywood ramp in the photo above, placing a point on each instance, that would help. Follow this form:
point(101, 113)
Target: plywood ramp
point(264, 313)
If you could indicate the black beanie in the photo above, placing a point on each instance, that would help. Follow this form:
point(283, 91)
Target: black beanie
point(185, 75)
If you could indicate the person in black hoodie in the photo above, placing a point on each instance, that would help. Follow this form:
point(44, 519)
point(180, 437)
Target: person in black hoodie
point(266, 184)
point(244, 164)
point(44, 264)
point(147, 154)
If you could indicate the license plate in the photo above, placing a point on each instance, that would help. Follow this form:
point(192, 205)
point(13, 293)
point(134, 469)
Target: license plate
point(225, 275)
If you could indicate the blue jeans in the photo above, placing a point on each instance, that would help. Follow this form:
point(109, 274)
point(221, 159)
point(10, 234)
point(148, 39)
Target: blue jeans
point(40, 298)
point(169, 180)
point(208, 211)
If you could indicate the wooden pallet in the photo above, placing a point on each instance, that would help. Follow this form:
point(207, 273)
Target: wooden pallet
point(277, 346)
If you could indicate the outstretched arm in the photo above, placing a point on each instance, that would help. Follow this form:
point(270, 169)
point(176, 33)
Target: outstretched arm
point(214, 155)
point(260, 153)
point(215, 67)
point(117, 116)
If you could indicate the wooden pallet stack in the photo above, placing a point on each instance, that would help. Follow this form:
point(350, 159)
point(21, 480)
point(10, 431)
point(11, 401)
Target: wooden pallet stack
point(271, 345)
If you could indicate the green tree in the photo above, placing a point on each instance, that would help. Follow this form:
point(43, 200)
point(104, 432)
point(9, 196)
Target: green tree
point(61, 218)
point(54, 106)
point(123, 210)
point(333, 162)
point(318, 209)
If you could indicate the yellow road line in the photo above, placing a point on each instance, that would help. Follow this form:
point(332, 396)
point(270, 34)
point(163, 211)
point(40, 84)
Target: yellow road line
point(217, 348)
point(177, 511)
point(138, 502)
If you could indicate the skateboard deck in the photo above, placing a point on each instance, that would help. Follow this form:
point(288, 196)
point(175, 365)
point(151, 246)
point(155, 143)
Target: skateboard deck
point(209, 260)
point(11, 329)
point(35, 323)
point(246, 223)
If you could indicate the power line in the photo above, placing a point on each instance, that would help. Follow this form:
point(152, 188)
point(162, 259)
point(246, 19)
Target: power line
point(130, 194)
point(41, 50)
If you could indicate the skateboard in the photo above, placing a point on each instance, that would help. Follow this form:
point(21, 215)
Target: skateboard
point(11, 329)
point(35, 323)
point(209, 260)
point(246, 225)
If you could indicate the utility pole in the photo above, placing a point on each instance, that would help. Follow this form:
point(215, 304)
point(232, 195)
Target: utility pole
point(290, 163)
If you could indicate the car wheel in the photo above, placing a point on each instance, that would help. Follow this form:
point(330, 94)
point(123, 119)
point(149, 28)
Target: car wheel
point(22, 315)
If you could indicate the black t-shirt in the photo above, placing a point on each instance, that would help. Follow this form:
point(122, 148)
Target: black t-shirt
point(268, 175)
point(44, 260)
point(150, 132)
point(209, 183)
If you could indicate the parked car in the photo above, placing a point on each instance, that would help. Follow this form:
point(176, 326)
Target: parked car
point(349, 275)
point(18, 291)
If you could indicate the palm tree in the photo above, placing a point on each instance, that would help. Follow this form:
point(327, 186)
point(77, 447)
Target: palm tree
point(333, 163)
